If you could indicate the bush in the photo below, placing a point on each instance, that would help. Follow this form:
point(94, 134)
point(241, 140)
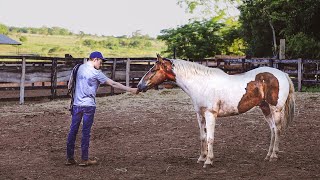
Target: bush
point(89, 43)
point(55, 50)
point(4, 29)
point(303, 46)
point(23, 39)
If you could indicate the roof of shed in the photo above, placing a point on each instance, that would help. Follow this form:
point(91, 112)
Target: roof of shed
point(6, 40)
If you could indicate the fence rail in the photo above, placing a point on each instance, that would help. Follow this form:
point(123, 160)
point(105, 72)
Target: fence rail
point(35, 72)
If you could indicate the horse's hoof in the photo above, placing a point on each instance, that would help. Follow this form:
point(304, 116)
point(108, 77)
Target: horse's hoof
point(267, 158)
point(273, 159)
point(207, 165)
point(200, 160)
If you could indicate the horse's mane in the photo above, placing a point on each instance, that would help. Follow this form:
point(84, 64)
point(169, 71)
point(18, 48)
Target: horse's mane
point(187, 68)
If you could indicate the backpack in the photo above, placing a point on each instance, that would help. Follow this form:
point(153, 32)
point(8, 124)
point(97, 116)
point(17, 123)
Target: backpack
point(72, 84)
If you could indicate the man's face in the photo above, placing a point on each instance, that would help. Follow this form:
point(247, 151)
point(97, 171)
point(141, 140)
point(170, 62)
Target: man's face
point(97, 63)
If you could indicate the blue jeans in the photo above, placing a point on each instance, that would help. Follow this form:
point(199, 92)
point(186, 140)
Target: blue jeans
point(78, 113)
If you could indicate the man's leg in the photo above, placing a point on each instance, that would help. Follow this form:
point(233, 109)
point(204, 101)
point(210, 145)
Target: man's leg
point(74, 127)
point(88, 116)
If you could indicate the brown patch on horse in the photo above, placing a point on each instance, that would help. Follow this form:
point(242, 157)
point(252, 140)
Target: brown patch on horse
point(168, 69)
point(270, 87)
point(264, 106)
point(262, 91)
point(161, 71)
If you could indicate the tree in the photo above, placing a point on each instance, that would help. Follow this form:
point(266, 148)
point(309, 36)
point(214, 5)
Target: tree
point(196, 40)
point(256, 30)
point(4, 29)
point(288, 19)
point(209, 7)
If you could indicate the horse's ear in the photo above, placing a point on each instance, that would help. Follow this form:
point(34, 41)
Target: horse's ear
point(159, 58)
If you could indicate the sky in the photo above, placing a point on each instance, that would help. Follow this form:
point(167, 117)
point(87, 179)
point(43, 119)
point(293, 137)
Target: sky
point(101, 17)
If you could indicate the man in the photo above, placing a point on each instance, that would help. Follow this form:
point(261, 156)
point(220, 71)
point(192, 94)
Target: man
point(87, 80)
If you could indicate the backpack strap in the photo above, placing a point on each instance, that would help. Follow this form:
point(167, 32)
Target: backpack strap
point(72, 84)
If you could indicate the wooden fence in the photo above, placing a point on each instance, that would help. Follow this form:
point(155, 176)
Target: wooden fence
point(22, 73)
point(302, 71)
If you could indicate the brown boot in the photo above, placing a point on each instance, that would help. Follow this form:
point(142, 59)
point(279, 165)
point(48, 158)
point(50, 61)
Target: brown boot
point(70, 162)
point(89, 162)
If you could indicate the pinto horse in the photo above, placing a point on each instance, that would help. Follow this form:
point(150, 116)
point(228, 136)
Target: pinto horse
point(217, 94)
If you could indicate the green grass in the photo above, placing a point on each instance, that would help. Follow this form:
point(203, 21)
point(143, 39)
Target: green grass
point(315, 88)
point(58, 46)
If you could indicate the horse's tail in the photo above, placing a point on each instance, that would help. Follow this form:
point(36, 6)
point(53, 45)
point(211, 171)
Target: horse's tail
point(289, 106)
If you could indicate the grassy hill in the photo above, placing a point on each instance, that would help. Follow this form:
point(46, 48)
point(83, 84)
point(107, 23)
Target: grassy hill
point(81, 46)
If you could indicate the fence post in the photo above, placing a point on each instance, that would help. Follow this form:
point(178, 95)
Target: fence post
point(43, 83)
point(218, 62)
point(282, 50)
point(300, 74)
point(243, 61)
point(33, 65)
point(270, 62)
point(23, 77)
point(113, 74)
point(53, 79)
point(128, 72)
point(317, 75)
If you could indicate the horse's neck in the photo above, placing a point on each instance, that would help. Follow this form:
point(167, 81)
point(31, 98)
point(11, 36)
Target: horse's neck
point(197, 83)
point(215, 82)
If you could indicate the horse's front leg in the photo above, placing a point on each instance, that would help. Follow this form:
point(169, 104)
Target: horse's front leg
point(210, 125)
point(203, 138)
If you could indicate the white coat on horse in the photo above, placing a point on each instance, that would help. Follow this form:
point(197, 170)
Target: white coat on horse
point(217, 94)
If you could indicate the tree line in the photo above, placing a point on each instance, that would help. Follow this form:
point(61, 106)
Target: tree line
point(43, 30)
point(136, 41)
point(256, 32)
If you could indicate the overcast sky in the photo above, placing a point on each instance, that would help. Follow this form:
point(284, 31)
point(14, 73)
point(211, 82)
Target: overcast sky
point(101, 17)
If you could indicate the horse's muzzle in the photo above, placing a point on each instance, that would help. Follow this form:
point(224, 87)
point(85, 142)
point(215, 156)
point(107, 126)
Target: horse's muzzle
point(142, 87)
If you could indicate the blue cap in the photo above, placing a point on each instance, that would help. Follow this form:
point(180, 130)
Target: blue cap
point(96, 54)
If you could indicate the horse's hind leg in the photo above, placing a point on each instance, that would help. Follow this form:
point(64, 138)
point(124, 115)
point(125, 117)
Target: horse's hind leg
point(269, 118)
point(273, 117)
point(203, 138)
point(277, 120)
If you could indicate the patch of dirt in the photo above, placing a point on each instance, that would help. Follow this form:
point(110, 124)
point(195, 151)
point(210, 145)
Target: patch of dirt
point(155, 135)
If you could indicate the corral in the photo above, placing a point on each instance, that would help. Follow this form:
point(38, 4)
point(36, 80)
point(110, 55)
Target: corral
point(20, 75)
point(136, 138)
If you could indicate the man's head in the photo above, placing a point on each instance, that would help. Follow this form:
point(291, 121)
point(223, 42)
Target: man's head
point(96, 58)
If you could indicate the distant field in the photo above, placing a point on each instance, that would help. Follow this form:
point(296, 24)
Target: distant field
point(55, 45)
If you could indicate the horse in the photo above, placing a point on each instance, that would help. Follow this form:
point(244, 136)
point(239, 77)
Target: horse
point(215, 93)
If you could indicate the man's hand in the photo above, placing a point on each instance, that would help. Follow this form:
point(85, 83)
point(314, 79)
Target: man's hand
point(134, 90)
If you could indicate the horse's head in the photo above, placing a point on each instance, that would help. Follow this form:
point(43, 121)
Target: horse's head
point(161, 71)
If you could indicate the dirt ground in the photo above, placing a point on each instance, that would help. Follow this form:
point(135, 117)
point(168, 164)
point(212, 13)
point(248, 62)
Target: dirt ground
point(155, 135)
